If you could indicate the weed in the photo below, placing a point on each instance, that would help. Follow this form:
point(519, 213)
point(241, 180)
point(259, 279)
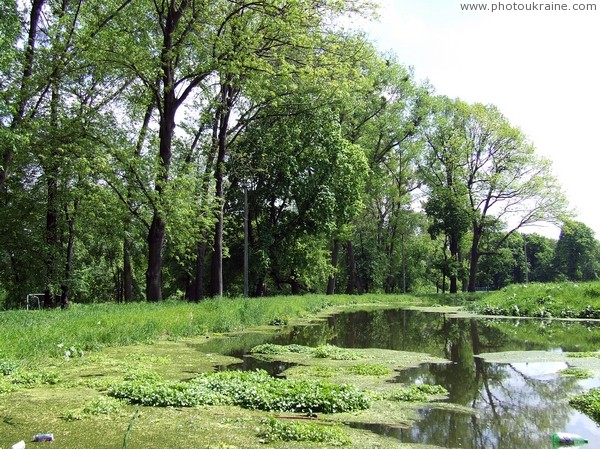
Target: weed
point(578, 373)
point(274, 429)
point(334, 353)
point(252, 390)
point(367, 369)
point(588, 403)
point(417, 393)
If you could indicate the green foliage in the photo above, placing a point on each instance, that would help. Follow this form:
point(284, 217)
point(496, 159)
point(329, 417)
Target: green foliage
point(577, 373)
point(102, 405)
point(326, 351)
point(417, 393)
point(278, 430)
point(46, 333)
point(577, 253)
point(560, 300)
point(370, 369)
point(334, 353)
point(253, 390)
point(588, 403)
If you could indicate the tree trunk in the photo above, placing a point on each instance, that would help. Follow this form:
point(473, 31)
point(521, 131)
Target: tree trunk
point(454, 259)
point(156, 234)
point(156, 237)
point(196, 290)
point(474, 259)
point(335, 252)
point(295, 286)
point(127, 271)
point(351, 263)
point(261, 288)
point(127, 243)
point(216, 280)
point(65, 287)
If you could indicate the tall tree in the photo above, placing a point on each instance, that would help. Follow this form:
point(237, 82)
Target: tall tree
point(577, 253)
point(502, 177)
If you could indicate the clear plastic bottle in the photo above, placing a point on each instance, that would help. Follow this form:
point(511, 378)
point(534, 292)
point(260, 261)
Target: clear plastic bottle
point(567, 439)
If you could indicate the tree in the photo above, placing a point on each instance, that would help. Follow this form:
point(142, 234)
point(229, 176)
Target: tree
point(305, 178)
point(443, 171)
point(382, 115)
point(577, 253)
point(506, 185)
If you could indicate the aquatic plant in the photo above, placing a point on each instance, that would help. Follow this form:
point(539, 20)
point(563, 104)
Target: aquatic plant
point(253, 390)
point(274, 429)
point(588, 403)
point(417, 393)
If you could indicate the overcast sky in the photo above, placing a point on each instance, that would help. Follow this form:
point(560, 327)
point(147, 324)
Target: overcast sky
point(541, 68)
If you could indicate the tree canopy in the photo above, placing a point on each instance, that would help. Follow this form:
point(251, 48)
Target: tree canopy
point(140, 142)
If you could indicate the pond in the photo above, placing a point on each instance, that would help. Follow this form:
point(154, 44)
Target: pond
point(504, 374)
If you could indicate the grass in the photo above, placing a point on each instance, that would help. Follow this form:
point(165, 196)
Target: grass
point(551, 300)
point(38, 335)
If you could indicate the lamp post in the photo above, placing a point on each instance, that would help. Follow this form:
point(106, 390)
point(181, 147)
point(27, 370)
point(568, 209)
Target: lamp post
point(245, 185)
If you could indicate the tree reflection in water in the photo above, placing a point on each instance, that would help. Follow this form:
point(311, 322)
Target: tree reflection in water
point(512, 405)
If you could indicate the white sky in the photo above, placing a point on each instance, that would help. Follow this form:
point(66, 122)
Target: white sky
point(541, 68)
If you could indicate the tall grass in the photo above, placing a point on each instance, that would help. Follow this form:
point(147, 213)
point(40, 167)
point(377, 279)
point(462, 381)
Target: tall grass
point(543, 300)
point(31, 335)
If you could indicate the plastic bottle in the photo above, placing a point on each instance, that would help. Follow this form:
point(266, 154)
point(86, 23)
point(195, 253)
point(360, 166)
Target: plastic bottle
point(43, 437)
point(19, 445)
point(567, 439)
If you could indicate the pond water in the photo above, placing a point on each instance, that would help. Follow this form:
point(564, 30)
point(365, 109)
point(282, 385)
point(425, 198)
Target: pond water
point(518, 403)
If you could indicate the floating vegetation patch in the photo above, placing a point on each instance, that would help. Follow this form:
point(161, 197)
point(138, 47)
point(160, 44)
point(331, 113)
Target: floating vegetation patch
point(417, 393)
point(13, 379)
point(321, 352)
point(370, 369)
point(252, 390)
point(578, 373)
point(334, 353)
point(278, 430)
point(588, 403)
point(102, 405)
point(579, 355)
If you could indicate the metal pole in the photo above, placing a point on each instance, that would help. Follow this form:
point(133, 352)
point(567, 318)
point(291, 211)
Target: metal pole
point(245, 241)
point(403, 265)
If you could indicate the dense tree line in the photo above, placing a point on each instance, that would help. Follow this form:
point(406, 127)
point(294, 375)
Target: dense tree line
point(150, 148)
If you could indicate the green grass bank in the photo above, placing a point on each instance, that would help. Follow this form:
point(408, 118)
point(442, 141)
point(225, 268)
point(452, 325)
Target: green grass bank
point(540, 300)
point(42, 334)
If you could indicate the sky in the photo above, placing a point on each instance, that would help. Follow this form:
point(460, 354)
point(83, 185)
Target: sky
point(541, 68)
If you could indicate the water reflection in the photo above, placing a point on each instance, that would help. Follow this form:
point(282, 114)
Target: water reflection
point(503, 405)
point(513, 405)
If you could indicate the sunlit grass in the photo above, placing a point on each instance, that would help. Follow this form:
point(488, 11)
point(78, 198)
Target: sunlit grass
point(33, 335)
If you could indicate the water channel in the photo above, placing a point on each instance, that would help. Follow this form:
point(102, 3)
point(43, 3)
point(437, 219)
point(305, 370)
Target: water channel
point(514, 403)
